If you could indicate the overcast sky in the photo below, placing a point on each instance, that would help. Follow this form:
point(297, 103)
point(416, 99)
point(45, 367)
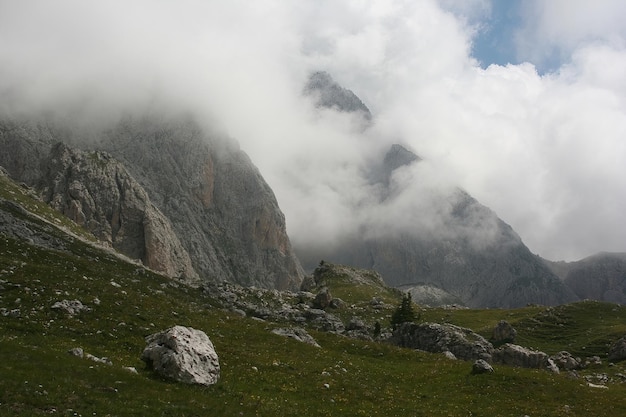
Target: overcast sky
point(521, 103)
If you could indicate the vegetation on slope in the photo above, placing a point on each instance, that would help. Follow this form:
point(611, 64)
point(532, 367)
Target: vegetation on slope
point(262, 374)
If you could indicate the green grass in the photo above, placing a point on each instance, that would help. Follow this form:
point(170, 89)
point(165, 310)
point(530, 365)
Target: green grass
point(263, 374)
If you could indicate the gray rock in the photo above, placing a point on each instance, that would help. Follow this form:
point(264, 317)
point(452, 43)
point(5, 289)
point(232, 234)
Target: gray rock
point(449, 355)
point(322, 299)
point(220, 206)
point(183, 354)
point(480, 366)
point(564, 360)
point(329, 94)
point(617, 351)
point(439, 338)
point(503, 333)
point(515, 355)
point(77, 351)
point(71, 307)
point(298, 334)
point(551, 367)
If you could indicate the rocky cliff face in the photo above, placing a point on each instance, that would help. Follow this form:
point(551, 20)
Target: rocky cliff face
point(165, 192)
point(599, 277)
point(95, 191)
point(495, 272)
point(218, 202)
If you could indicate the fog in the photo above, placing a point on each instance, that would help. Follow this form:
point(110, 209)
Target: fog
point(544, 149)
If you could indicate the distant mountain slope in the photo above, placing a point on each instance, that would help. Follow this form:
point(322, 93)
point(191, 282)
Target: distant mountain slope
point(212, 202)
point(599, 277)
point(448, 243)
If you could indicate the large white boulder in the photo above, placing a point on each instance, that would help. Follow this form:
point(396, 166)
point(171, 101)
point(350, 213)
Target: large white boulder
point(183, 354)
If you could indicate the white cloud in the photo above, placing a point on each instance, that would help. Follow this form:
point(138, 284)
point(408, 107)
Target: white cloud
point(545, 152)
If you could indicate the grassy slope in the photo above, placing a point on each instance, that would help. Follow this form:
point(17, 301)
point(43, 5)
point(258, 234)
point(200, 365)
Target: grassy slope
point(38, 377)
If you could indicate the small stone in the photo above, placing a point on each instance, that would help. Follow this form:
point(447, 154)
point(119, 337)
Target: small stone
point(76, 352)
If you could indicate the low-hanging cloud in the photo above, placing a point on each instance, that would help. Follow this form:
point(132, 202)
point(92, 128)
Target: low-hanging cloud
point(546, 152)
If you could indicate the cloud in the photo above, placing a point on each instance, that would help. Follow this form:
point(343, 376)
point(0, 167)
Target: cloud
point(554, 30)
point(545, 152)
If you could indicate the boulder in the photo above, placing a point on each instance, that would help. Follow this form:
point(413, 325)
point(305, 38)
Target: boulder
point(617, 352)
point(503, 333)
point(439, 338)
point(71, 307)
point(183, 354)
point(298, 334)
point(565, 360)
point(515, 355)
point(481, 366)
point(323, 298)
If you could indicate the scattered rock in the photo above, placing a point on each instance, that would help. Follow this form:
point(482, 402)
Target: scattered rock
point(481, 366)
point(503, 333)
point(515, 355)
point(183, 354)
point(131, 369)
point(103, 360)
point(71, 307)
point(592, 361)
point(76, 352)
point(298, 334)
point(564, 360)
point(439, 338)
point(80, 353)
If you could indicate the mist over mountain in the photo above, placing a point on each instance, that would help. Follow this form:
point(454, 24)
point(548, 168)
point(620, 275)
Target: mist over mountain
point(417, 233)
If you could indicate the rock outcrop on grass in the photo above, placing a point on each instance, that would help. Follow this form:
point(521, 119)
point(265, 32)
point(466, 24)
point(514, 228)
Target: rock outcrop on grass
point(438, 338)
point(515, 355)
point(183, 354)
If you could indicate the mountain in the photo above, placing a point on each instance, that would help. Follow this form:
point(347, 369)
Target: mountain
point(329, 94)
point(164, 184)
point(88, 361)
point(599, 277)
point(449, 248)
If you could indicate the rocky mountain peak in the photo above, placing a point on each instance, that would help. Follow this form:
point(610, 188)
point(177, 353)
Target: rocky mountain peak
point(330, 94)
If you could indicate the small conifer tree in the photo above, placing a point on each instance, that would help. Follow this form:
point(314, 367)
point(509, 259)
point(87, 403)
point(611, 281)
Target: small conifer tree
point(404, 312)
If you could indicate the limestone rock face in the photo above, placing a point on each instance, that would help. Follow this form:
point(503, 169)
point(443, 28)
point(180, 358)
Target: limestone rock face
point(599, 277)
point(438, 338)
point(218, 202)
point(183, 354)
point(185, 201)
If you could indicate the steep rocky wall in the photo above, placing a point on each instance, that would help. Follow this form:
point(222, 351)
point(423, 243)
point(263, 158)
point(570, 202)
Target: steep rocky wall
point(215, 197)
point(95, 191)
